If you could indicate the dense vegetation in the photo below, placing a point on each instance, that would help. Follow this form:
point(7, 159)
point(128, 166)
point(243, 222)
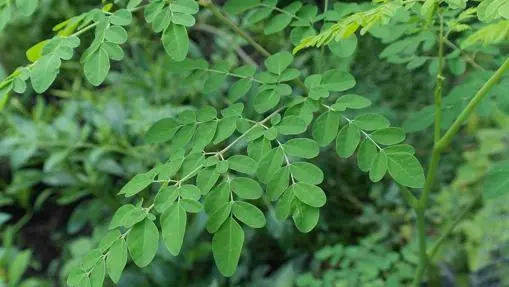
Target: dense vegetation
point(254, 143)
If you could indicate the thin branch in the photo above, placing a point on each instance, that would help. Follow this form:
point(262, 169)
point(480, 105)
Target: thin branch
point(467, 56)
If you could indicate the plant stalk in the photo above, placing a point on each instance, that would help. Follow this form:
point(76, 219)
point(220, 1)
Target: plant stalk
point(440, 83)
point(439, 146)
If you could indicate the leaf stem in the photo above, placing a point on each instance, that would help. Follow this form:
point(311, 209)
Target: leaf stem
point(467, 56)
point(232, 75)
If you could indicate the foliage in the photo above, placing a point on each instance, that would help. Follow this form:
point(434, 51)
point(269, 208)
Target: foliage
point(368, 264)
point(226, 165)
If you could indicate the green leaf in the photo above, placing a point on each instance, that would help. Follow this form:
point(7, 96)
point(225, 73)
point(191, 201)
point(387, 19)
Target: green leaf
point(337, 81)
point(309, 194)
point(133, 4)
point(326, 127)
point(206, 179)
point(269, 164)
point(420, 120)
point(189, 191)
point(246, 188)
point(306, 172)
point(121, 17)
point(289, 74)
point(370, 122)
point(18, 266)
point(378, 167)
point(44, 72)
point(258, 149)
point(305, 217)
point(227, 247)
point(117, 219)
point(77, 277)
point(277, 24)
point(185, 6)
point(206, 113)
point(204, 135)
point(284, 205)
point(351, 101)
point(187, 117)
point(278, 62)
point(266, 100)
point(4, 96)
point(169, 169)
point(142, 242)
point(183, 136)
point(278, 183)
point(236, 7)
point(217, 198)
point(98, 273)
point(400, 148)
point(216, 220)
point(406, 170)
point(388, 136)
point(225, 128)
point(90, 259)
point(292, 125)
point(366, 155)
point(271, 133)
point(222, 166)
point(176, 42)
point(27, 7)
point(496, 182)
point(108, 240)
point(239, 89)
point(152, 10)
point(502, 11)
point(173, 228)
point(192, 206)
point(347, 141)
point(216, 80)
point(243, 164)
point(257, 15)
point(137, 183)
point(183, 19)
point(116, 260)
point(116, 35)
point(344, 48)
point(428, 9)
point(97, 66)
point(114, 51)
point(165, 198)
point(248, 214)
point(302, 147)
point(162, 131)
point(134, 216)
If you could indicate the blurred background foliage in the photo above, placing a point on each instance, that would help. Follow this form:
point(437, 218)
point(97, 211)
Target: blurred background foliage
point(65, 154)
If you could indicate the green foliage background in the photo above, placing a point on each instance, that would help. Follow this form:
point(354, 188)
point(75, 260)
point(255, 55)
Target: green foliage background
point(70, 143)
